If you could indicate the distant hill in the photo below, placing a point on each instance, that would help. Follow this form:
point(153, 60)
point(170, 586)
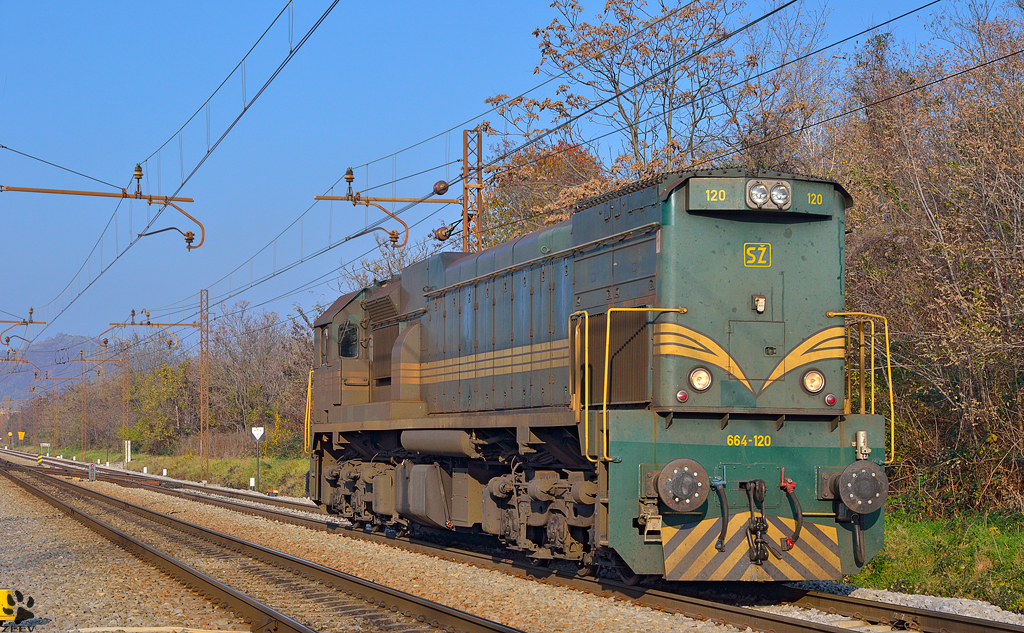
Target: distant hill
point(53, 355)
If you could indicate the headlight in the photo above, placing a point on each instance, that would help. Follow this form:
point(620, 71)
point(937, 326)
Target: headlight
point(814, 381)
point(700, 379)
point(780, 195)
point(759, 194)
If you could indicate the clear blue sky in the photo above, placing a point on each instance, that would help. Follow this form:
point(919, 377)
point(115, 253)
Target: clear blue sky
point(98, 87)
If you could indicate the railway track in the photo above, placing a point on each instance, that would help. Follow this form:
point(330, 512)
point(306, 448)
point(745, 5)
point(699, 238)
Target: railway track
point(118, 475)
point(272, 590)
point(862, 615)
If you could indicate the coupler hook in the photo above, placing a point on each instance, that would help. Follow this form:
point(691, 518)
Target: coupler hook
point(757, 528)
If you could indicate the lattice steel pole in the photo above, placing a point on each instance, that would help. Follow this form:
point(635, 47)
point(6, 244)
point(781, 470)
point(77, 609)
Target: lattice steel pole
point(56, 418)
point(125, 384)
point(472, 189)
point(204, 383)
point(85, 404)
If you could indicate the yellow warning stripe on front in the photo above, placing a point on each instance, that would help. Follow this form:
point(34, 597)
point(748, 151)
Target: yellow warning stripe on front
point(690, 552)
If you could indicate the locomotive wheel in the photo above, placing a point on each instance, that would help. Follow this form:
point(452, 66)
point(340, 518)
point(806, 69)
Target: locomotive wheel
point(629, 577)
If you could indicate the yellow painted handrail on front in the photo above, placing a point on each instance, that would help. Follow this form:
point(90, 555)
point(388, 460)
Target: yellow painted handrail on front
point(584, 319)
point(891, 456)
point(307, 438)
point(607, 361)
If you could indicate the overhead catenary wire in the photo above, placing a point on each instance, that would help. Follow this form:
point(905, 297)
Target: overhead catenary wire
point(157, 153)
point(185, 180)
point(916, 88)
point(848, 112)
point(721, 39)
point(587, 111)
point(72, 171)
point(603, 102)
point(549, 80)
point(893, 97)
point(564, 73)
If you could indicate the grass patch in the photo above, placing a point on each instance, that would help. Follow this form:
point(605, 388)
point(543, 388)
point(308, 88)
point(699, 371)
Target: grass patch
point(286, 475)
point(979, 557)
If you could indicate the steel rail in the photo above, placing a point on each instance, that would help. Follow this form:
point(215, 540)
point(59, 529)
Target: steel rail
point(263, 618)
point(872, 611)
point(384, 597)
point(893, 614)
point(112, 473)
point(694, 608)
point(868, 610)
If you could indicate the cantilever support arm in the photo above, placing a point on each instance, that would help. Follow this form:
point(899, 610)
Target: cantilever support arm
point(202, 229)
point(19, 360)
point(355, 199)
point(99, 338)
point(19, 324)
point(161, 200)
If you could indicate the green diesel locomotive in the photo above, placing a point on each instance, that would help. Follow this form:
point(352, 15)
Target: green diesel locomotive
point(664, 384)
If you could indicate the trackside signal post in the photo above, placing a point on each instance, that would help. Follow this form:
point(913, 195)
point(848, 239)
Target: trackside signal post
point(258, 436)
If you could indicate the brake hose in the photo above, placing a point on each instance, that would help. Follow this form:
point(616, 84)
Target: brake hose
point(719, 487)
point(858, 540)
point(789, 543)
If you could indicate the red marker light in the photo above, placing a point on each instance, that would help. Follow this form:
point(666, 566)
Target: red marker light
point(830, 400)
point(682, 396)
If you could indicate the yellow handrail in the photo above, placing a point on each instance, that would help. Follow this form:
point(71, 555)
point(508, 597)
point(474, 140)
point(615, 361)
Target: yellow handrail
point(891, 456)
point(584, 318)
point(607, 361)
point(307, 440)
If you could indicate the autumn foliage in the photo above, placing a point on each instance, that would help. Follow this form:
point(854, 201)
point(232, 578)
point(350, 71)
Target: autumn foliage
point(928, 139)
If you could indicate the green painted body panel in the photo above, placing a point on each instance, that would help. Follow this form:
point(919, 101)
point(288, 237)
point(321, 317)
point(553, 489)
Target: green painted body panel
point(702, 268)
point(639, 441)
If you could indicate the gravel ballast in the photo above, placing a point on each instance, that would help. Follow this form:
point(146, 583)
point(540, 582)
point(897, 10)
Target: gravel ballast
point(959, 606)
point(78, 579)
point(516, 602)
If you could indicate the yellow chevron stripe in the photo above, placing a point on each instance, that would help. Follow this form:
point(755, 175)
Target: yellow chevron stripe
point(828, 343)
point(677, 340)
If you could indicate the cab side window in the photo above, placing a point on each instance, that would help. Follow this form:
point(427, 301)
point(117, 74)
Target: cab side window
point(348, 340)
point(325, 339)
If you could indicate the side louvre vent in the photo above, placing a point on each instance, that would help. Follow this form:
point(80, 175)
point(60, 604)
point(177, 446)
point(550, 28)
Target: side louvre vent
point(629, 358)
point(380, 306)
point(380, 309)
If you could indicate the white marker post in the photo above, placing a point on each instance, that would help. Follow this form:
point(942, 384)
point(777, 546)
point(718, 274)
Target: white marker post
point(257, 435)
